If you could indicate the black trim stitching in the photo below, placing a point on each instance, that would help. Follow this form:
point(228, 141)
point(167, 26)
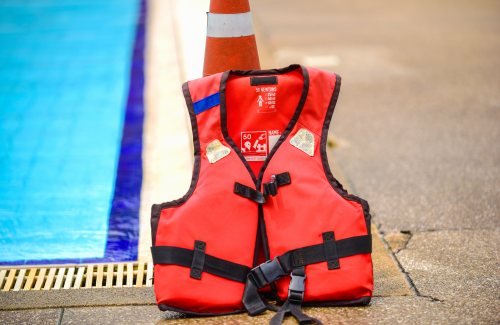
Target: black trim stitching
point(197, 151)
point(257, 245)
point(262, 237)
point(196, 169)
point(243, 73)
point(223, 123)
point(155, 219)
point(286, 132)
point(331, 179)
point(165, 307)
point(361, 301)
point(263, 230)
point(291, 124)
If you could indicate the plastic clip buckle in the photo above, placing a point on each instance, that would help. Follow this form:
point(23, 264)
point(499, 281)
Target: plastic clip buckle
point(271, 188)
point(297, 287)
point(273, 178)
point(267, 273)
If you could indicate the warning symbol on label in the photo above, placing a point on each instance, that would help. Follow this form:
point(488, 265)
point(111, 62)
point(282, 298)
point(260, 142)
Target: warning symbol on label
point(260, 100)
point(254, 145)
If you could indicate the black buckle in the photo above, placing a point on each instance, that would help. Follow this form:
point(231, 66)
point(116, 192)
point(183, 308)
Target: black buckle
point(271, 188)
point(297, 287)
point(267, 273)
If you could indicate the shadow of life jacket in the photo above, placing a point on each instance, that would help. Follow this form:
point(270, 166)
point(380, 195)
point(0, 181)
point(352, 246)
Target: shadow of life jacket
point(263, 214)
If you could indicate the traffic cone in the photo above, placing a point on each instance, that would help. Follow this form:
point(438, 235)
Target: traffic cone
point(230, 38)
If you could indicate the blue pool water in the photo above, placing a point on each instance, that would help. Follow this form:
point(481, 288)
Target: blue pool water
point(71, 109)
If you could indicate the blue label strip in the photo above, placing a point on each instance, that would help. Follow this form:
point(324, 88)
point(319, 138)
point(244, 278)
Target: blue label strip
point(206, 103)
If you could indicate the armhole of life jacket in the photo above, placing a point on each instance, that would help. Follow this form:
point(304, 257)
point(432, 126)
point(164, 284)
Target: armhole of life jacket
point(331, 179)
point(156, 208)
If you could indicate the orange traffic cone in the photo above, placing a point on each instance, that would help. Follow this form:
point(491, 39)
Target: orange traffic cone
point(230, 38)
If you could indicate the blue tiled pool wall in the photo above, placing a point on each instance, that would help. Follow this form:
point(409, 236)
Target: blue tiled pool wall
point(123, 232)
point(69, 188)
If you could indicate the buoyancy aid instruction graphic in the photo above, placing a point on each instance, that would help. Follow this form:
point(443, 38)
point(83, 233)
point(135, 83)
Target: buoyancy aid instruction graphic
point(256, 145)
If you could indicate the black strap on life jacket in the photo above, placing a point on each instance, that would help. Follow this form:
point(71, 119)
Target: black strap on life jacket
point(293, 303)
point(330, 251)
point(199, 262)
point(323, 252)
point(271, 188)
point(249, 193)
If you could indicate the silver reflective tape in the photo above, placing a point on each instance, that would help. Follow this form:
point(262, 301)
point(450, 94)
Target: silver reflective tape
point(230, 25)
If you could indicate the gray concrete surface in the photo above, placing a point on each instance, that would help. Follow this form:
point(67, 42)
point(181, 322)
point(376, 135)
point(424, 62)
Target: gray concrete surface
point(30, 317)
point(419, 106)
point(388, 280)
point(382, 310)
point(450, 265)
point(11, 300)
point(417, 126)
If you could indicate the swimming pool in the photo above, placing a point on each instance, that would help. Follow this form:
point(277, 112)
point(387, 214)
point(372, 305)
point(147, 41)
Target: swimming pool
point(71, 117)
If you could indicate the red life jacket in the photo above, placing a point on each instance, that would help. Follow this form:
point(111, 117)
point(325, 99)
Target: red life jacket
point(261, 181)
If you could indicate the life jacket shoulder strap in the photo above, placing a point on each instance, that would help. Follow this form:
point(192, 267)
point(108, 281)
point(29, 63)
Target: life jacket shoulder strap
point(203, 101)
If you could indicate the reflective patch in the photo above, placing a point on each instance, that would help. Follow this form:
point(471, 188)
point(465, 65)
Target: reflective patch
point(229, 25)
point(216, 151)
point(304, 140)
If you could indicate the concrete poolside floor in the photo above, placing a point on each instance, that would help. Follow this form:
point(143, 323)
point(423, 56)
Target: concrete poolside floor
point(137, 305)
point(416, 133)
point(417, 129)
point(396, 299)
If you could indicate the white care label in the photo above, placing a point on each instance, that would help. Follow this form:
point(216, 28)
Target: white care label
point(266, 99)
point(256, 145)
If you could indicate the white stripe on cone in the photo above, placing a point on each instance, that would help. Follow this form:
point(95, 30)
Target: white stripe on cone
point(230, 25)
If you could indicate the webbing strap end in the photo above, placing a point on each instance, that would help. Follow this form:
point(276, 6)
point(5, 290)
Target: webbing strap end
point(198, 259)
point(332, 257)
point(249, 193)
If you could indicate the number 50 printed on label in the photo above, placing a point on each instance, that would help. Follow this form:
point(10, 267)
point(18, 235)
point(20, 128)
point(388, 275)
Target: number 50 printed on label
point(254, 145)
